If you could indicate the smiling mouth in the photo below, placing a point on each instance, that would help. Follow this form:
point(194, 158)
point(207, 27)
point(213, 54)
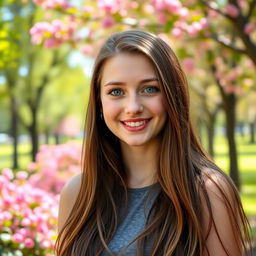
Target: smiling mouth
point(136, 124)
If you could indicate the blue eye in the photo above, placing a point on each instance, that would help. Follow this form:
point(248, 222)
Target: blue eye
point(151, 89)
point(115, 92)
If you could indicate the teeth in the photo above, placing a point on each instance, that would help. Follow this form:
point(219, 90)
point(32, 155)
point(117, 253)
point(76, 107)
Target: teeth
point(135, 124)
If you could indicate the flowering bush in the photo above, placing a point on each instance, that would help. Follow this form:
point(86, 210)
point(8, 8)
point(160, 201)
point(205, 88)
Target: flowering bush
point(28, 216)
point(54, 165)
point(29, 201)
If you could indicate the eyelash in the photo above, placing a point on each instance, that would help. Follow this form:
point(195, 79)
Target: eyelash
point(155, 88)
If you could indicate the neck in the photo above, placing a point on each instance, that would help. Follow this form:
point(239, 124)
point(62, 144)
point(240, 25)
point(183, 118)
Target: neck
point(141, 164)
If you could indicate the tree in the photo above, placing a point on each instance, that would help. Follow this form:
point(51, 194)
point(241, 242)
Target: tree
point(229, 23)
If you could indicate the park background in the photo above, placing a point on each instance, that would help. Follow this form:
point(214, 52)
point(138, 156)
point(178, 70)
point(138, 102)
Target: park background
point(47, 50)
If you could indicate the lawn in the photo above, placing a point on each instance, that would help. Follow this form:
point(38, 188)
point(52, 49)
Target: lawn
point(247, 166)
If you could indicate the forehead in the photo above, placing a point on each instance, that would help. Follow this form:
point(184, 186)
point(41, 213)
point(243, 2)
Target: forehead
point(126, 66)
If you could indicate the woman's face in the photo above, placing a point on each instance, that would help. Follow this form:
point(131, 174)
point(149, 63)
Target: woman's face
point(132, 102)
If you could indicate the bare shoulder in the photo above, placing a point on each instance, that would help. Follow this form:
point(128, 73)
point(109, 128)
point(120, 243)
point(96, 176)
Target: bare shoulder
point(220, 221)
point(219, 186)
point(68, 197)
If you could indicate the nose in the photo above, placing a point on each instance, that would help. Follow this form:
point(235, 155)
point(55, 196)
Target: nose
point(133, 105)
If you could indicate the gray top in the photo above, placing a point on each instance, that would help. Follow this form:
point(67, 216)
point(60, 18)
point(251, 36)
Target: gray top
point(140, 201)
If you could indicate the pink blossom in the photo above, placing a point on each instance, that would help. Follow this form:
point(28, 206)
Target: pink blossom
point(109, 6)
point(134, 5)
point(7, 173)
point(87, 9)
point(164, 37)
point(177, 32)
point(52, 34)
point(249, 28)
point(107, 22)
point(212, 13)
point(21, 175)
point(53, 43)
point(242, 4)
point(158, 4)
point(45, 244)
point(183, 12)
point(29, 242)
point(173, 6)
point(87, 49)
point(148, 8)
point(232, 10)
point(192, 30)
point(188, 64)
point(56, 4)
point(162, 17)
point(204, 23)
point(17, 237)
point(39, 2)
point(248, 82)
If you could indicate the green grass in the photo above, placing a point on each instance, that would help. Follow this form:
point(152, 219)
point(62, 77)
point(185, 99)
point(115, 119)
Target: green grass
point(247, 166)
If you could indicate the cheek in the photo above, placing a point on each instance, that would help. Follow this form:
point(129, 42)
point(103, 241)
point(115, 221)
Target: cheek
point(110, 109)
point(158, 108)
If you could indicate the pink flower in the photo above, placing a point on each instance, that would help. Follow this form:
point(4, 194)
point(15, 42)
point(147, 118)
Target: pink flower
point(58, 4)
point(232, 10)
point(107, 22)
point(248, 82)
point(7, 173)
point(21, 175)
point(29, 242)
point(183, 12)
point(173, 5)
point(39, 2)
point(164, 37)
point(189, 64)
point(249, 28)
point(109, 6)
point(87, 49)
point(53, 43)
point(45, 244)
point(162, 17)
point(134, 5)
point(149, 9)
point(19, 238)
point(204, 23)
point(177, 32)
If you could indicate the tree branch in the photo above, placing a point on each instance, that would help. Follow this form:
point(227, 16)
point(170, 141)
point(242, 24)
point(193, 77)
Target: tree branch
point(227, 44)
point(251, 9)
point(214, 8)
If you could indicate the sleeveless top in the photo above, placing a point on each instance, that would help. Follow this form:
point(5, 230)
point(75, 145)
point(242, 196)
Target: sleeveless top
point(133, 220)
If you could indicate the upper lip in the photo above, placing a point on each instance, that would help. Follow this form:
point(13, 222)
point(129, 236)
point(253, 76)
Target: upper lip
point(135, 120)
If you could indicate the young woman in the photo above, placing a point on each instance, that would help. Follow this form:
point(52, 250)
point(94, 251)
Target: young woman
point(147, 186)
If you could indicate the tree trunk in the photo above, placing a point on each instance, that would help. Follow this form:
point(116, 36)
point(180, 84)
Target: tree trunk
point(230, 109)
point(47, 136)
point(57, 138)
point(252, 132)
point(14, 132)
point(34, 134)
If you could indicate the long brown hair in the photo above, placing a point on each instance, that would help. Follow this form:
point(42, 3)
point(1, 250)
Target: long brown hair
point(175, 224)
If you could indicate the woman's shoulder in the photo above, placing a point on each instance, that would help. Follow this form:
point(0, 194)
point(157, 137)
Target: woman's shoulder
point(220, 202)
point(218, 183)
point(68, 198)
point(72, 186)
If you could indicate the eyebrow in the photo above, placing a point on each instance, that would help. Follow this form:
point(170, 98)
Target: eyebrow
point(147, 80)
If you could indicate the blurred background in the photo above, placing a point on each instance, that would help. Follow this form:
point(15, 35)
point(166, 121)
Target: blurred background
point(47, 51)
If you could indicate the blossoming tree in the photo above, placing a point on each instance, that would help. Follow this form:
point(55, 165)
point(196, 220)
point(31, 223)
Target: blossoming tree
point(231, 24)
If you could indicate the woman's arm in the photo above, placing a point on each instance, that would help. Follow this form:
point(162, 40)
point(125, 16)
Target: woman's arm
point(67, 199)
point(224, 235)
